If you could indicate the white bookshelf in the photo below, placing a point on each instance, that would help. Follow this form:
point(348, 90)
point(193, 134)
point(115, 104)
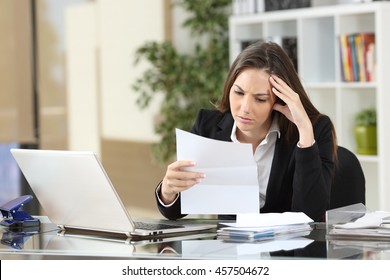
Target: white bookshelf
point(317, 30)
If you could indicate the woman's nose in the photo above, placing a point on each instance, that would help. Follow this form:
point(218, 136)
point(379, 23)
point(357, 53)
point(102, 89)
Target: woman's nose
point(245, 105)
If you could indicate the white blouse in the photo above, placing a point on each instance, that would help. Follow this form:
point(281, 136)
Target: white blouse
point(263, 156)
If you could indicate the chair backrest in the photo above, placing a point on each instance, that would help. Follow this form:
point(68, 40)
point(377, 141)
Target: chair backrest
point(349, 183)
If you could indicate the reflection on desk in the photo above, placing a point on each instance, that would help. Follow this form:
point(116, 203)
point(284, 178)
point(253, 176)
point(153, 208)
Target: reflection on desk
point(53, 244)
point(216, 248)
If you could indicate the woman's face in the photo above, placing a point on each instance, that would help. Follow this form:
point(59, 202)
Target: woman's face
point(251, 102)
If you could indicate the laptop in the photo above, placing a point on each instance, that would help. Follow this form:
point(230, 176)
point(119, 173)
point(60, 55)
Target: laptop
point(75, 192)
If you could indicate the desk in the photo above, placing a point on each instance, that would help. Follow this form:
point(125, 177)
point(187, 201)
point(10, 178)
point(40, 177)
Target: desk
point(49, 244)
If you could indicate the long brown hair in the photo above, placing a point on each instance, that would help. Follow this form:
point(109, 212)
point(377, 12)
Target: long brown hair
point(270, 57)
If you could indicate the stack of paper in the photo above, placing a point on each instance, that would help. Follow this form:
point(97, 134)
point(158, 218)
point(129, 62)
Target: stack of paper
point(372, 226)
point(257, 227)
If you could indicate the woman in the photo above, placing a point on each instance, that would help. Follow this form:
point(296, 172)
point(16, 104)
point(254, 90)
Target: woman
point(265, 104)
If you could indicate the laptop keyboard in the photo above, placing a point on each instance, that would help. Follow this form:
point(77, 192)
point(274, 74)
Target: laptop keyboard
point(151, 226)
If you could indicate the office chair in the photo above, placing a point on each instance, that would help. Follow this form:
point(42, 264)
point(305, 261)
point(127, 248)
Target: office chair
point(349, 183)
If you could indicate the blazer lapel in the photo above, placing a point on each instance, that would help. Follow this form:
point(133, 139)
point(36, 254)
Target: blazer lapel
point(225, 128)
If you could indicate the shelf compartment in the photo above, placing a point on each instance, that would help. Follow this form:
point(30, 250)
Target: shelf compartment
point(319, 35)
point(352, 101)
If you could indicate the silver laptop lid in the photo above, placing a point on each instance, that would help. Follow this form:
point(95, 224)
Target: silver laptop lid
point(74, 190)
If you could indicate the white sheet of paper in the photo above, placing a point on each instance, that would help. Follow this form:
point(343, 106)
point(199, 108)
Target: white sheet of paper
point(255, 220)
point(369, 220)
point(230, 186)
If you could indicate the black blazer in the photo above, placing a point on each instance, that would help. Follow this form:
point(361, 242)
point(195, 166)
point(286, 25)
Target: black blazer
point(300, 179)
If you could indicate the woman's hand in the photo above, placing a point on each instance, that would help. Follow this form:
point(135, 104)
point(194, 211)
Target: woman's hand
point(293, 110)
point(177, 179)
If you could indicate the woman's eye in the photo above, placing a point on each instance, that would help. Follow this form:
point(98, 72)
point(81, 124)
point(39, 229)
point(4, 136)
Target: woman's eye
point(238, 92)
point(260, 100)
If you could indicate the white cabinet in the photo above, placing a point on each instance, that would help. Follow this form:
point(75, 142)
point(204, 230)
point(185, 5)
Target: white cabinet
point(317, 30)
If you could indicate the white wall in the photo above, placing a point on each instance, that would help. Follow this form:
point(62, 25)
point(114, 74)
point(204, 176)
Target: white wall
point(123, 27)
point(101, 40)
point(182, 38)
point(81, 78)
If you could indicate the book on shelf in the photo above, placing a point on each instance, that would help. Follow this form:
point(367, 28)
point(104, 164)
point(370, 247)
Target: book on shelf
point(272, 5)
point(246, 43)
point(290, 45)
point(243, 7)
point(357, 57)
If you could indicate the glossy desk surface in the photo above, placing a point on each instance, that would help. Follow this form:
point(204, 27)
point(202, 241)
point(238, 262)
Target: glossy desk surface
point(49, 243)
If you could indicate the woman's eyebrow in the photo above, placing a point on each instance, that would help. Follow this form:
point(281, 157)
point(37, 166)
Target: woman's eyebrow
point(255, 94)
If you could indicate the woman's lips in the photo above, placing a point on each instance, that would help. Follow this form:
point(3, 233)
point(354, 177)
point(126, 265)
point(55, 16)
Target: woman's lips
point(244, 120)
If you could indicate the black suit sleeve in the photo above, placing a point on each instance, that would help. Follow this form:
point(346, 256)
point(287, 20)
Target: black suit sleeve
point(313, 173)
point(172, 212)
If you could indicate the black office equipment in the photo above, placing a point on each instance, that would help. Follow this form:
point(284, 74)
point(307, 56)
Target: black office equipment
point(349, 184)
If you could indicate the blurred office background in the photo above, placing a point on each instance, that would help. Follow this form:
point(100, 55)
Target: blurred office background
point(67, 69)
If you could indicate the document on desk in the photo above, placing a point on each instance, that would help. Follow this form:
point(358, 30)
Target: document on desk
point(272, 219)
point(369, 220)
point(256, 226)
point(371, 226)
point(230, 186)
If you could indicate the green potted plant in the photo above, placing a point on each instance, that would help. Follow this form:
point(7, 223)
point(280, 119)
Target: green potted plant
point(365, 132)
point(187, 81)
